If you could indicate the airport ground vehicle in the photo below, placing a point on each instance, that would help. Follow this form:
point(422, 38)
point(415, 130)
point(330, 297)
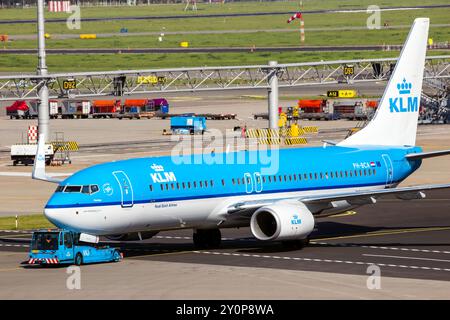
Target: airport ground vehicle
point(49, 247)
point(188, 125)
point(25, 153)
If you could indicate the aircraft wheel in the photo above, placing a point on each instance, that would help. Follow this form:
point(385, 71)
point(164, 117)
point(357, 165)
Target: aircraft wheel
point(296, 244)
point(207, 238)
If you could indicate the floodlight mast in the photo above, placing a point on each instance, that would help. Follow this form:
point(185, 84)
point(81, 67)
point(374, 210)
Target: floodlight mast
point(43, 110)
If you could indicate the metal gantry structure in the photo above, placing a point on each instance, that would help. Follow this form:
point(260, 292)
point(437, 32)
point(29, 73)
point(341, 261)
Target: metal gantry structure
point(151, 81)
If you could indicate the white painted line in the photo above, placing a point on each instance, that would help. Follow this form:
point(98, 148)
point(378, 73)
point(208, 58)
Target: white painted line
point(319, 260)
point(382, 248)
point(402, 257)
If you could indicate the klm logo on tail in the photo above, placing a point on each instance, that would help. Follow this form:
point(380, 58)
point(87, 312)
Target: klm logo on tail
point(402, 103)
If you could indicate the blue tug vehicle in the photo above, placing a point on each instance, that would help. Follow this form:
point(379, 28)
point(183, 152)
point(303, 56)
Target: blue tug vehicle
point(53, 247)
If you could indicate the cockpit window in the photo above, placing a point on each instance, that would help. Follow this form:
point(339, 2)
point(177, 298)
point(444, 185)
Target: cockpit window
point(87, 189)
point(72, 189)
point(94, 188)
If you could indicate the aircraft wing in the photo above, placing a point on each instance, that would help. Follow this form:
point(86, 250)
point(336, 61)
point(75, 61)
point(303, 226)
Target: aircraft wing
point(353, 198)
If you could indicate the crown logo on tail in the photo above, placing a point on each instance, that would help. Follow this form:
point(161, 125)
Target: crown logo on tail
point(404, 87)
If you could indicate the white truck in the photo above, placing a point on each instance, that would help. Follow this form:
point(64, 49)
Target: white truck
point(25, 153)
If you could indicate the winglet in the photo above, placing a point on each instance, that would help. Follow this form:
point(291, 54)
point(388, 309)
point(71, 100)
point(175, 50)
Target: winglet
point(39, 163)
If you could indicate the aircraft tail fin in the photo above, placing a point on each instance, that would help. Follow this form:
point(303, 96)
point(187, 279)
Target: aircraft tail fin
point(395, 121)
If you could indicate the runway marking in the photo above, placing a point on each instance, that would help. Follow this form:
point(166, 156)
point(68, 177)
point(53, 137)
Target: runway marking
point(402, 257)
point(377, 247)
point(322, 260)
point(15, 245)
point(382, 233)
point(345, 214)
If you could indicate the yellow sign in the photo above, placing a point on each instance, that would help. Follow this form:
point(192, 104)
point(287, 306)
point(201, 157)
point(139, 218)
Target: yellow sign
point(341, 94)
point(150, 80)
point(69, 84)
point(184, 44)
point(347, 94)
point(349, 70)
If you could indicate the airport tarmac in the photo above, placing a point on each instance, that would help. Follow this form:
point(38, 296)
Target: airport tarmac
point(408, 240)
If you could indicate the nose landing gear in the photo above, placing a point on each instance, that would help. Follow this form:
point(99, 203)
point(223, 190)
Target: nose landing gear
point(207, 238)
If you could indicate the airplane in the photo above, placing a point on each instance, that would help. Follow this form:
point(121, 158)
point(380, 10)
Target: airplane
point(134, 199)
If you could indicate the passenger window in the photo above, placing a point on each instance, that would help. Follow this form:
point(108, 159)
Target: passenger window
point(184, 185)
point(151, 187)
point(201, 184)
point(232, 180)
point(223, 182)
point(315, 176)
point(162, 187)
point(195, 184)
point(264, 179)
point(295, 177)
point(189, 184)
point(321, 175)
point(206, 184)
point(332, 175)
point(305, 176)
point(212, 183)
point(374, 171)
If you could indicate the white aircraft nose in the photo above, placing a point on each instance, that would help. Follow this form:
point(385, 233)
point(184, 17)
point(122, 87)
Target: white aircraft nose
point(53, 217)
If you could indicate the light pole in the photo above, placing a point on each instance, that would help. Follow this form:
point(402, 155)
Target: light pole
point(43, 110)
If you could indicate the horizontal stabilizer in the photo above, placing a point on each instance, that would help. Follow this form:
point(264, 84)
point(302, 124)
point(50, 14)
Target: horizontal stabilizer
point(424, 155)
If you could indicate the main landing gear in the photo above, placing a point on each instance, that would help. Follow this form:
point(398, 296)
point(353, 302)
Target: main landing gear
point(296, 244)
point(207, 238)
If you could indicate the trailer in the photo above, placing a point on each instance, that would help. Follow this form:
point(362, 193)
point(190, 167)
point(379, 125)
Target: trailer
point(105, 108)
point(56, 247)
point(316, 109)
point(18, 110)
point(143, 108)
point(25, 153)
point(75, 109)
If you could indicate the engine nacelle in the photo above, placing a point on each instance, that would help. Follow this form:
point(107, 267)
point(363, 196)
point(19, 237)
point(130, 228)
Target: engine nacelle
point(282, 222)
point(133, 236)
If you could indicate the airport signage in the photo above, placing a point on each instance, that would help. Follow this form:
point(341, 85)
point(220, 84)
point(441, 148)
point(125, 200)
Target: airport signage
point(151, 80)
point(341, 94)
point(349, 70)
point(69, 84)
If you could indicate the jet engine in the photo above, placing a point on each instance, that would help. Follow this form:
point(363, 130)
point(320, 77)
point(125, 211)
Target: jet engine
point(133, 236)
point(282, 222)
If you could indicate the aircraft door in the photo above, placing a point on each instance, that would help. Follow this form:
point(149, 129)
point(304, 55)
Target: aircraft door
point(389, 169)
point(126, 189)
point(258, 182)
point(248, 183)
